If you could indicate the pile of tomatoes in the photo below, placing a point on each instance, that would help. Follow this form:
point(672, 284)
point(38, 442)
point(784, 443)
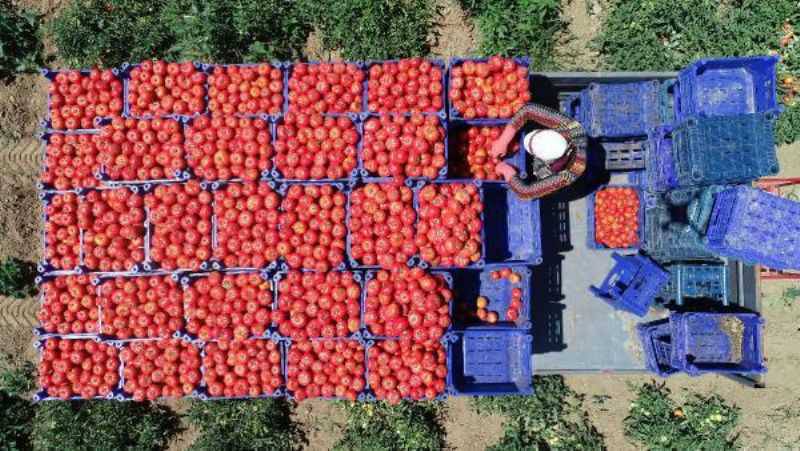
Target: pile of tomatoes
point(158, 88)
point(404, 369)
point(312, 227)
point(71, 162)
point(311, 146)
point(402, 146)
point(163, 368)
point(408, 303)
point(242, 368)
point(69, 306)
point(496, 88)
point(326, 88)
point(113, 229)
point(616, 217)
point(181, 225)
point(381, 225)
point(408, 85)
point(141, 307)
point(470, 152)
point(77, 99)
point(141, 149)
point(314, 304)
point(245, 89)
point(222, 148)
point(326, 368)
point(247, 225)
point(81, 368)
point(449, 228)
point(228, 306)
point(62, 236)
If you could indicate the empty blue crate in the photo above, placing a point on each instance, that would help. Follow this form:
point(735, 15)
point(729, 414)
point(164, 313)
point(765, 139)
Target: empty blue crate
point(656, 340)
point(512, 227)
point(667, 97)
point(469, 284)
point(730, 149)
point(727, 86)
point(620, 110)
point(756, 227)
point(621, 154)
point(696, 280)
point(633, 284)
point(659, 165)
point(490, 362)
point(705, 342)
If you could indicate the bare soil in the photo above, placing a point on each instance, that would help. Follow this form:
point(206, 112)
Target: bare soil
point(574, 51)
point(455, 35)
point(23, 102)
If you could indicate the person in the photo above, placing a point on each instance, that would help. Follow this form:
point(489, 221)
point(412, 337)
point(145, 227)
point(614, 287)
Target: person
point(558, 151)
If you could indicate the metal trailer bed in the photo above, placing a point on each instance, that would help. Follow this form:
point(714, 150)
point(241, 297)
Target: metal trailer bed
point(573, 332)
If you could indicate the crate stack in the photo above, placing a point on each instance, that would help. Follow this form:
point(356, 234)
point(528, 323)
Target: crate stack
point(481, 358)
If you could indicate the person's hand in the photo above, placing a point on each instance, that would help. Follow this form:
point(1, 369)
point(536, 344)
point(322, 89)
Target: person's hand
point(499, 147)
point(505, 170)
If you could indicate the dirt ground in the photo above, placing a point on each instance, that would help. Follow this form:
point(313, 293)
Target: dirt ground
point(769, 415)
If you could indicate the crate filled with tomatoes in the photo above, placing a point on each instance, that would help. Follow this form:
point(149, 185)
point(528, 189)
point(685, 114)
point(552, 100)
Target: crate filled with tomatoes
point(616, 217)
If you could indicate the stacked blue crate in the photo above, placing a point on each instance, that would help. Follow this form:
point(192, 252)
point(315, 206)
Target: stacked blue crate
point(656, 340)
point(632, 285)
point(674, 227)
point(696, 280)
point(756, 227)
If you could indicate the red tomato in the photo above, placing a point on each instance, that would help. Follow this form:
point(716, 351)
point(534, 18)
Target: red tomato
point(310, 146)
point(141, 149)
point(167, 368)
point(246, 368)
point(325, 88)
point(496, 88)
point(62, 236)
point(404, 369)
point(181, 90)
point(70, 306)
point(470, 152)
point(78, 368)
point(141, 307)
point(381, 225)
point(228, 147)
point(400, 146)
point(71, 161)
point(312, 227)
point(113, 229)
point(326, 368)
point(246, 90)
point(449, 227)
point(408, 85)
point(77, 99)
point(616, 217)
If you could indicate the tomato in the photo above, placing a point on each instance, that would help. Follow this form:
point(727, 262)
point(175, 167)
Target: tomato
point(399, 146)
point(310, 146)
point(616, 217)
point(407, 85)
point(325, 88)
point(166, 368)
point(113, 229)
point(141, 307)
point(496, 88)
point(78, 368)
point(141, 149)
point(246, 90)
point(470, 156)
point(381, 224)
point(247, 224)
point(404, 369)
point(325, 368)
point(228, 147)
point(71, 161)
point(62, 236)
point(246, 368)
point(77, 100)
point(69, 306)
point(315, 305)
point(180, 91)
point(449, 229)
point(312, 227)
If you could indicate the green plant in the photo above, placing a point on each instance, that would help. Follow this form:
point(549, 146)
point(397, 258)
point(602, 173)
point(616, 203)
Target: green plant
point(703, 422)
point(236, 31)
point(21, 47)
point(103, 425)
point(520, 27)
point(374, 29)
point(242, 425)
point(16, 412)
point(17, 278)
point(381, 426)
point(551, 419)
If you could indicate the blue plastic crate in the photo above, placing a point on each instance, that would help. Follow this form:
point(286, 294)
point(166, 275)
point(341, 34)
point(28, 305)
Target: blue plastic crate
point(659, 166)
point(670, 232)
point(290, 69)
point(727, 86)
point(621, 154)
point(442, 112)
point(454, 113)
point(571, 106)
point(490, 362)
point(590, 225)
point(620, 110)
point(633, 283)
point(512, 227)
point(698, 280)
point(469, 284)
point(757, 227)
point(125, 73)
point(717, 342)
point(729, 149)
point(668, 97)
point(455, 126)
point(656, 341)
point(283, 67)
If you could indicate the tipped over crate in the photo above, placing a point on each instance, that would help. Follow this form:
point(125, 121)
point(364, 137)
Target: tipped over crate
point(633, 283)
point(756, 227)
point(490, 362)
point(706, 342)
point(675, 224)
point(696, 280)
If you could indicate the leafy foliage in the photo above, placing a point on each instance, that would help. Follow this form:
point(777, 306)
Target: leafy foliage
point(519, 27)
point(236, 30)
point(374, 29)
point(103, 425)
point(379, 426)
point(17, 278)
point(243, 425)
point(552, 419)
point(16, 412)
point(704, 422)
point(21, 47)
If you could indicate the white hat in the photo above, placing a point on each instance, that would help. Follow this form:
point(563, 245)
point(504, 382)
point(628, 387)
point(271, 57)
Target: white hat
point(546, 145)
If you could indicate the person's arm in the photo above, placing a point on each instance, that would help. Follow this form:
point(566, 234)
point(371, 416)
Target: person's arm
point(542, 115)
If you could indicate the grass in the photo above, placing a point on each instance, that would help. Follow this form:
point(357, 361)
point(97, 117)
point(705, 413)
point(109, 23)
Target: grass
point(378, 426)
point(21, 48)
point(17, 278)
